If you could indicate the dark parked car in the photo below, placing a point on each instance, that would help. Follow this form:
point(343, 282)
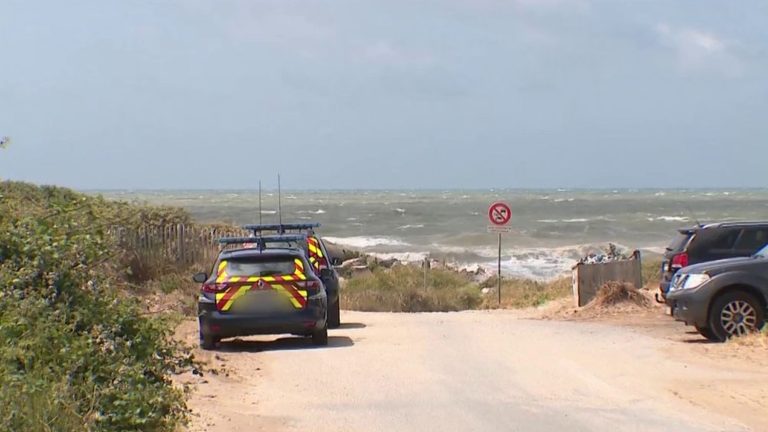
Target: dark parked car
point(722, 298)
point(321, 261)
point(261, 291)
point(711, 242)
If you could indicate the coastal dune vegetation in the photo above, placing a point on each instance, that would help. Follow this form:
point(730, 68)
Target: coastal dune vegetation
point(77, 351)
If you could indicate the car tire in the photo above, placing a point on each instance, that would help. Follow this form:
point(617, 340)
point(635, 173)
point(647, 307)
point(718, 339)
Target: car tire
point(320, 337)
point(707, 333)
point(735, 313)
point(208, 342)
point(334, 315)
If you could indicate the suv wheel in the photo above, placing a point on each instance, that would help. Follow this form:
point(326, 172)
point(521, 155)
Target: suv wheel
point(334, 315)
point(207, 341)
point(320, 337)
point(707, 333)
point(735, 313)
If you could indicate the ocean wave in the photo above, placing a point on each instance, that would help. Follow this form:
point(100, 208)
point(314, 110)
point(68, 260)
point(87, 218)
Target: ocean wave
point(577, 220)
point(400, 210)
point(317, 212)
point(405, 227)
point(365, 242)
point(407, 257)
point(669, 219)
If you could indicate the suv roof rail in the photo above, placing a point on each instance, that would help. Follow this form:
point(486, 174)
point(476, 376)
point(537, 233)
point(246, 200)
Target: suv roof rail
point(281, 228)
point(262, 241)
point(736, 224)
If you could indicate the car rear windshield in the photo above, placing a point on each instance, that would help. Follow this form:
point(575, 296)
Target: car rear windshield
point(258, 266)
point(680, 241)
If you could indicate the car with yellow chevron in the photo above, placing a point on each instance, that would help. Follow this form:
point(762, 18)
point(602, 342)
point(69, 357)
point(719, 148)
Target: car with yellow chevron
point(317, 254)
point(256, 290)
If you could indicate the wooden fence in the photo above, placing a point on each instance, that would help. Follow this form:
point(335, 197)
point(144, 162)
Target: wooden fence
point(588, 278)
point(177, 244)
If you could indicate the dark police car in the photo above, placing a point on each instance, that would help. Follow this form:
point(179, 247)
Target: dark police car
point(722, 298)
point(255, 290)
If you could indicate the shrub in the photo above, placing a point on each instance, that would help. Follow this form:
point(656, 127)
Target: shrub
point(402, 289)
point(74, 353)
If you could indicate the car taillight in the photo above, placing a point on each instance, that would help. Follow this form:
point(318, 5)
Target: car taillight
point(312, 286)
point(212, 288)
point(680, 260)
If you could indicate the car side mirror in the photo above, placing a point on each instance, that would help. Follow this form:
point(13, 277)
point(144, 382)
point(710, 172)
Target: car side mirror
point(336, 261)
point(326, 273)
point(200, 277)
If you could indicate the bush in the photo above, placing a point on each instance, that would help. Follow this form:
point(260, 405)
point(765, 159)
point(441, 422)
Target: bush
point(402, 289)
point(75, 354)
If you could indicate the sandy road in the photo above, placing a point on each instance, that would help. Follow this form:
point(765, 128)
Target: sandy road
point(478, 371)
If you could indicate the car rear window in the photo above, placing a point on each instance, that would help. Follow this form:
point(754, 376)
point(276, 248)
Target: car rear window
point(257, 266)
point(679, 242)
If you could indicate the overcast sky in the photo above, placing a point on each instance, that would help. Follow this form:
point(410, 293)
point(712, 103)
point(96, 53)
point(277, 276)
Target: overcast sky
point(384, 94)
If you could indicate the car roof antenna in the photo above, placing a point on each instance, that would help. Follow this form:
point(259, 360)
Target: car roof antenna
point(693, 215)
point(261, 213)
point(279, 201)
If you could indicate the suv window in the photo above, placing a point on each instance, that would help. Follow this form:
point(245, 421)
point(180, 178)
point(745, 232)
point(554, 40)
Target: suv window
point(752, 240)
point(256, 266)
point(722, 240)
point(679, 242)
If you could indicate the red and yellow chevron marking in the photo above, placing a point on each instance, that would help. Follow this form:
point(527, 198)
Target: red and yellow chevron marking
point(316, 256)
point(282, 284)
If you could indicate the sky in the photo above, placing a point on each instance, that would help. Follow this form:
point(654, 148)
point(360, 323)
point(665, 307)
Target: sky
point(390, 94)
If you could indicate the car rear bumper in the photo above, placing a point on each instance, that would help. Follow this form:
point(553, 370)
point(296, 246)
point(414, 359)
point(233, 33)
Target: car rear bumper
point(304, 321)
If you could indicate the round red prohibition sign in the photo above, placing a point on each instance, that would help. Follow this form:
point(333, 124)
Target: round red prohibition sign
point(499, 213)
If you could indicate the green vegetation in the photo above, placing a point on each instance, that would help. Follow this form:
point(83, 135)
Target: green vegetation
point(402, 289)
point(76, 353)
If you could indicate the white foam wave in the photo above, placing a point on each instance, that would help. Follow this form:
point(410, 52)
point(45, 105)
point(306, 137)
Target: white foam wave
point(578, 220)
point(406, 257)
point(405, 227)
point(317, 212)
point(365, 242)
point(669, 219)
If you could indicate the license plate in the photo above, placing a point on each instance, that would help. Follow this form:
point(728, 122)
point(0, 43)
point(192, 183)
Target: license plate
point(261, 302)
point(669, 310)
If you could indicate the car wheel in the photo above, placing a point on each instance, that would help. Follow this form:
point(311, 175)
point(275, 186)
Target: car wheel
point(707, 333)
point(735, 313)
point(320, 337)
point(208, 342)
point(334, 315)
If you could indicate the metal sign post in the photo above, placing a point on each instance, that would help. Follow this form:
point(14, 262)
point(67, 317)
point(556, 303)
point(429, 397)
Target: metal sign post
point(499, 214)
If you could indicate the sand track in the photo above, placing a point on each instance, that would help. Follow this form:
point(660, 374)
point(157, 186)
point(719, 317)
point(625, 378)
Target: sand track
point(484, 371)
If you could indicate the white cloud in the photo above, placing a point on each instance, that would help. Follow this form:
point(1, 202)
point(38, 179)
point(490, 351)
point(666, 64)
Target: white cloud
point(700, 50)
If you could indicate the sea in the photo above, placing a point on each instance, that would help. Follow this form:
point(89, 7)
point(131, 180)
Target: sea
point(550, 229)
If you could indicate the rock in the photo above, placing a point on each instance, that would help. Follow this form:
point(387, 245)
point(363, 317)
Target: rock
point(352, 263)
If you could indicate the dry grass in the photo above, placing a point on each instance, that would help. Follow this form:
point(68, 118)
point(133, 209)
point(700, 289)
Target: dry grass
point(615, 293)
point(524, 293)
point(754, 340)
